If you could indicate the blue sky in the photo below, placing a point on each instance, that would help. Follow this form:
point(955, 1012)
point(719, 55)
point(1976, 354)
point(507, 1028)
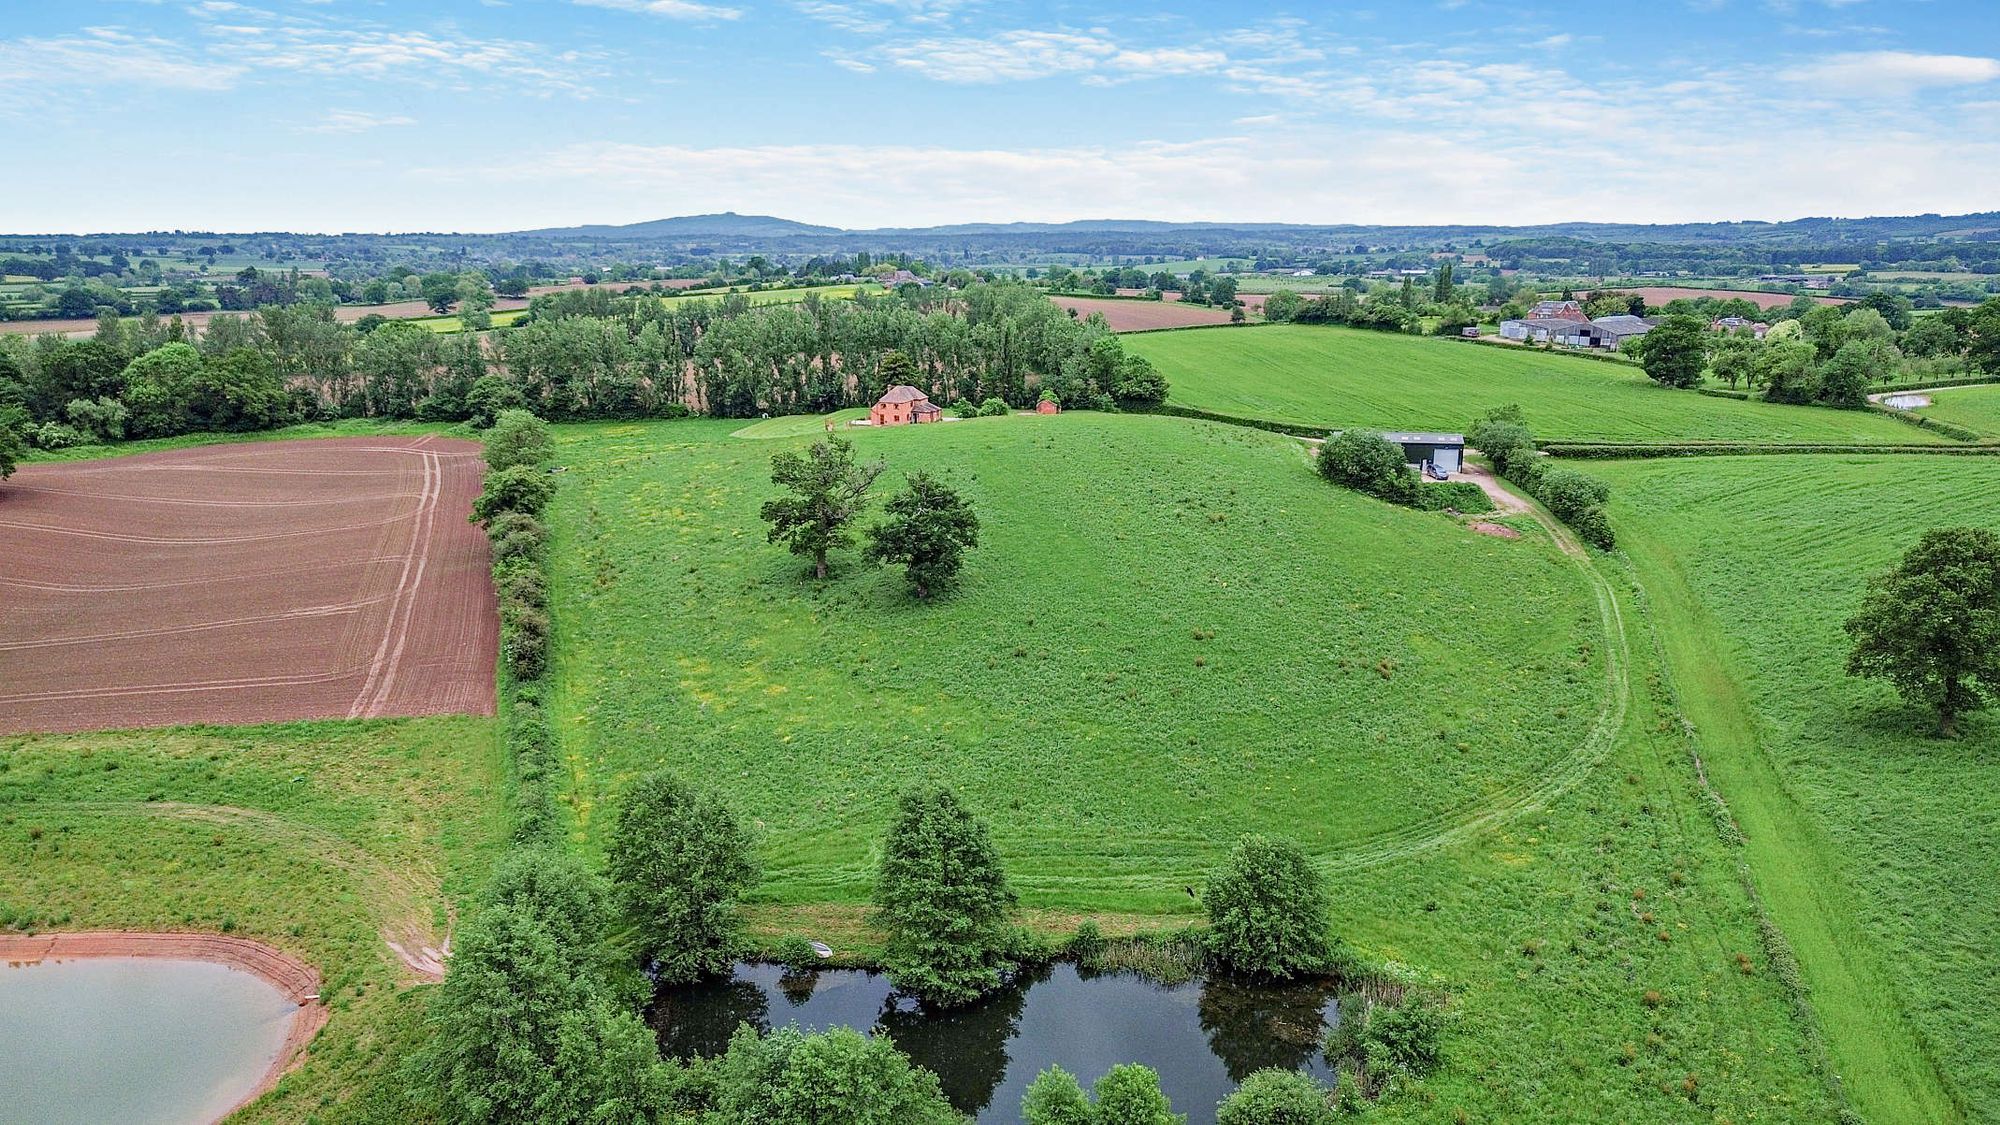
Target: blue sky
point(483, 115)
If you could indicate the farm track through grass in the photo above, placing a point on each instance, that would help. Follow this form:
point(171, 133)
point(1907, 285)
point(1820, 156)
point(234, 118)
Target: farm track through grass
point(1345, 377)
point(1869, 841)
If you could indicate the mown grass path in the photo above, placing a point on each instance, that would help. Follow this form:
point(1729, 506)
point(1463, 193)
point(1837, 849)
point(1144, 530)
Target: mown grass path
point(1880, 1060)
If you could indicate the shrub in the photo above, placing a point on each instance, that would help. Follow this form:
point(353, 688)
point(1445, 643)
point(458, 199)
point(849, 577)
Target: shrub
point(1055, 1097)
point(527, 644)
point(943, 897)
point(1367, 462)
point(1130, 1095)
point(518, 488)
point(1267, 910)
point(679, 858)
point(1138, 384)
point(518, 438)
point(993, 408)
point(1404, 1037)
point(1087, 946)
point(1568, 491)
point(521, 585)
point(1277, 1097)
point(1463, 495)
point(796, 954)
point(508, 523)
point(838, 1077)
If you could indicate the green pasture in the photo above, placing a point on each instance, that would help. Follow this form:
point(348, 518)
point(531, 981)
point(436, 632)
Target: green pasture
point(1872, 841)
point(1338, 377)
point(318, 838)
point(450, 324)
point(1977, 408)
point(345, 427)
point(1172, 633)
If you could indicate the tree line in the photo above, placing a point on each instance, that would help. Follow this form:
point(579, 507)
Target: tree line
point(576, 355)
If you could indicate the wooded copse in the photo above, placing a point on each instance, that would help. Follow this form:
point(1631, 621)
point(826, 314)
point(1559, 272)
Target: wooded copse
point(576, 355)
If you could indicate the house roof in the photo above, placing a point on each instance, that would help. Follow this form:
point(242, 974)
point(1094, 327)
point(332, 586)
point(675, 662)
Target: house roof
point(1624, 323)
point(1557, 322)
point(1402, 438)
point(901, 392)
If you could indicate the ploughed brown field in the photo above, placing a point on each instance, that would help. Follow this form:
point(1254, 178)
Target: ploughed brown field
point(260, 582)
point(1142, 316)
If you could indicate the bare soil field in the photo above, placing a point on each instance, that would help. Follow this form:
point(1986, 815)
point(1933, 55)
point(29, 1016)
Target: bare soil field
point(262, 582)
point(1661, 294)
point(1252, 301)
point(1142, 316)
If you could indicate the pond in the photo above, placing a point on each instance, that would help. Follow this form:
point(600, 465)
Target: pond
point(134, 1039)
point(1203, 1037)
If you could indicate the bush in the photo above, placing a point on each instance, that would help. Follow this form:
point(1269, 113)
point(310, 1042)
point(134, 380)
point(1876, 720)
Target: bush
point(1577, 499)
point(1367, 462)
point(1462, 495)
point(518, 438)
point(1087, 946)
point(941, 894)
point(1267, 911)
point(838, 1077)
point(1055, 1097)
point(679, 859)
point(518, 488)
point(1138, 384)
point(993, 408)
point(520, 585)
point(796, 954)
point(1130, 1095)
point(1404, 1037)
point(517, 546)
point(527, 644)
point(1277, 1097)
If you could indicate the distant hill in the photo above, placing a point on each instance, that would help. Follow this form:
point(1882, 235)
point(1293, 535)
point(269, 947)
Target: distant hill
point(728, 224)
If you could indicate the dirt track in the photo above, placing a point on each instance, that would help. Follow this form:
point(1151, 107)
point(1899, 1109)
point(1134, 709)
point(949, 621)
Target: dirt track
point(259, 582)
point(291, 976)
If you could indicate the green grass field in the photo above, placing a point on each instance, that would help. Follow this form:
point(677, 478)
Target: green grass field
point(1975, 408)
point(1173, 633)
point(346, 427)
point(1872, 841)
point(451, 324)
point(1348, 377)
point(318, 838)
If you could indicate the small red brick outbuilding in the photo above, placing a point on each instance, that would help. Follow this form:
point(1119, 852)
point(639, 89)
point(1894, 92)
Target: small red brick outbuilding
point(902, 404)
point(1047, 406)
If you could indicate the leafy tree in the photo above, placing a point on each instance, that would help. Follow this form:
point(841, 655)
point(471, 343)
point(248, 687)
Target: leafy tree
point(1676, 351)
point(519, 438)
point(1844, 380)
point(1366, 461)
point(440, 291)
point(1277, 1097)
point(679, 859)
point(1733, 357)
point(521, 488)
point(1789, 371)
point(928, 530)
point(1267, 910)
point(1931, 626)
point(1983, 336)
point(838, 1077)
point(1139, 384)
point(1442, 292)
point(488, 396)
point(521, 1031)
point(13, 439)
point(1055, 1097)
point(828, 491)
point(1503, 435)
point(1130, 1095)
point(942, 896)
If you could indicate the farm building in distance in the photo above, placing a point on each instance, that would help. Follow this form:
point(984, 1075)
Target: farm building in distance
point(1756, 328)
point(1557, 310)
point(1604, 334)
point(903, 404)
point(1446, 451)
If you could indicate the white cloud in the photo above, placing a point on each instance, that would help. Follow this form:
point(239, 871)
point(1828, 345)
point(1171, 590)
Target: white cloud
point(413, 56)
point(1892, 71)
point(672, 9)
point(356, 121)
point(108, 56)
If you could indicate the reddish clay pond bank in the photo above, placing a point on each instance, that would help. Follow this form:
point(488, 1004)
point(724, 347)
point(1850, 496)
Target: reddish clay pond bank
point(114, 1025)
point(260, 582)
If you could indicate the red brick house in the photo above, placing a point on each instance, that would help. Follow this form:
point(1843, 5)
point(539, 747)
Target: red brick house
point(1047, 406)
point(901, 405)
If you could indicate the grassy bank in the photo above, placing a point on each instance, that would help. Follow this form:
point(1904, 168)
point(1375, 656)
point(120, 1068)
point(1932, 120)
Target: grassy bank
point(324, 839)
point(1870, 840)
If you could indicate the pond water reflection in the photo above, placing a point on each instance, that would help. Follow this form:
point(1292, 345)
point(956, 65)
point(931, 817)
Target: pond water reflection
point(1202, 1037)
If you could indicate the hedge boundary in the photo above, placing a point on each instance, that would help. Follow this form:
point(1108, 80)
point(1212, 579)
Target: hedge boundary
point(1610, 451)
point(1912, 418)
